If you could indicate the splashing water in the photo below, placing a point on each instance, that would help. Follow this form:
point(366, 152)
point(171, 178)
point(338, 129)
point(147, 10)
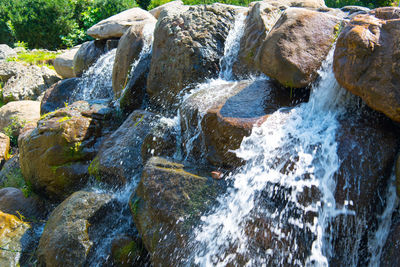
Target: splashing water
point(96, 82)
point(292, 153)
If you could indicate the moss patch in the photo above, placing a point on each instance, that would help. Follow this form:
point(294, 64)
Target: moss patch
point(37, 57)
point(93, 169)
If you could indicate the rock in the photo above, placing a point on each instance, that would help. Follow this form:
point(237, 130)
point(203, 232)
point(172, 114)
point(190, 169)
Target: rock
point(55, 156)
point(128, 251)
point(65, 240)
point(18, 113)
point(129, 50)
point(367, 147)
point(122, 155)
point(64, 63)
point(115, 26)
point(174, 5)
point(315, 4)
point(12, 231)
point(167, 203)
point(59, 95)
point(13, 201)
point(397, 172)
point(355, 9)
point(88, 54)
point(4, 149)
point(10, 69)
point(28, 82)
point(295, 48)
point(366, 59)
point(187, 48)
point(226, 113)
point(10, 174)
point(6, 52)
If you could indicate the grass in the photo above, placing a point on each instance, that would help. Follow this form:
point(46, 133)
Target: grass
point(15, 179)
point(36, 57)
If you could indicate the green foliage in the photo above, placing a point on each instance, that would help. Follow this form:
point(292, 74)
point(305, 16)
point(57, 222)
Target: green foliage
point(366, 3)
point(14, 178)
point(12, 129)
point(37, 57)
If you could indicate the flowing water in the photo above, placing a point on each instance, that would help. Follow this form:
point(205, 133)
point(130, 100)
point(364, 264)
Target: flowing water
point(282, 199)
point(96, 82)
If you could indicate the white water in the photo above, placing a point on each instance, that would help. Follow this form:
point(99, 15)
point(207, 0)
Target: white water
point(96, 82)
point(294, 150)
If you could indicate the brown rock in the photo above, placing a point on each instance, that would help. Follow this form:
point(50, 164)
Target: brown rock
point(366, 59)
point(173, 5)
point(4, 149)
point(128, 51)
point(295, 48)
point(64, 63)
point(13, 201)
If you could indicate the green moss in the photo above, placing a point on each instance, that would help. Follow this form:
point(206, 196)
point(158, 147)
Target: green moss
point(66, 118)
point(134, 206)
point(128, 253)
point(137, 122)
point(74, 152)
point(38, 57)
point(93, 169)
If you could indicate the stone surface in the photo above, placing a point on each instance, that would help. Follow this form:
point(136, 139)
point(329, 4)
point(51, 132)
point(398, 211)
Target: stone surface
point(10, 69)
point(226, 112)
point(65, 240)
point(167, 203)
point(64, 63)
point(4, 149)
point(128, 251)
point(10, 171)
point(12, 231)
point(59, 95)
point(25, 111)
point(13, 201)
point(26, 82)
point(129, 49)
point(187, 48)
point(123, 154)
point(366, 59)
point(89, 52)
point(115, 26)
point(390, 256)
point(55, 156)
point(355, 9)
point(296, 46)
point(173, 5)
point(6, 52)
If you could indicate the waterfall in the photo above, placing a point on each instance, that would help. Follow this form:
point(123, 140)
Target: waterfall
point(292, 153)
point(96, 82)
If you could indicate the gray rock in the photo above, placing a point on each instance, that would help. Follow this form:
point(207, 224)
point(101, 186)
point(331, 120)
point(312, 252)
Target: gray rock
point(64, 63)
point(6, 52)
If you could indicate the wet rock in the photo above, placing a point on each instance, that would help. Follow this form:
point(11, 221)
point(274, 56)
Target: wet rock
point(296, 46)
point(174, 5)
point(64, 63)
point(11, 171)
point(59, 95)
point(367, 147)
point(55, 156)
point(166, 205)
point(123, 154)
point(366, 59)
point(128, 251)
point(12, 231)
point(88, 54)
point(355, 9)
point(128, 51)
point(4, 149)
point(187, 49)
point(390, 256)
point(19, 113)
point(224, 113)
point(115, 26)
point(13, 201)
point(65, 240)
point(27, 82)
point(6, 52)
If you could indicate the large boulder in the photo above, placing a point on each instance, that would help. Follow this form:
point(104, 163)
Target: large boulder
point(166, 205)
point(115, 26)
point(296, 46)
point(6, 52)
point(59, 95)
point(173, 5)
point(216, 118)
point(64, 63)
point(187, 48)
point(28, 82)
point(129, 50)
point(55, 156)
point(65, 240)
point(19, 113)
point(123, 154)
point(12, 231)
point(89, 52)
point(366, 59)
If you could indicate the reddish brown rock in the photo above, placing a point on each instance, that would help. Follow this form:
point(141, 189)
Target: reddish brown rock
point(366, 60)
